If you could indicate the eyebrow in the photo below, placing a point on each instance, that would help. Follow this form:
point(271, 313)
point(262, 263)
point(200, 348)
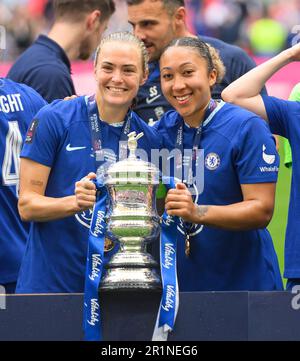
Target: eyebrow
point(107, 63)
point(123, 65)
point(186, 63)
point(182, 65)
point(166, 68)
point(142, 22)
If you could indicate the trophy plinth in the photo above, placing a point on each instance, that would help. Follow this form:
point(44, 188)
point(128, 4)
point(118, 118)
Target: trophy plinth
point(133, 222)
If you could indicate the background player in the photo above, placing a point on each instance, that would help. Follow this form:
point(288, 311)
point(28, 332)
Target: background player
point(283, 117)
point(156, 23)
point(18, 105)
point(76, 32)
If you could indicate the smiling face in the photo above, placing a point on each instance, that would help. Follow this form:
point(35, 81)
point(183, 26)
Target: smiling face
point(119, 73)
point(186, 82)
point(154, 25)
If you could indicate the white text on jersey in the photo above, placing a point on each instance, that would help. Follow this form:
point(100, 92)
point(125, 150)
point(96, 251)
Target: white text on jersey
point(11, 103)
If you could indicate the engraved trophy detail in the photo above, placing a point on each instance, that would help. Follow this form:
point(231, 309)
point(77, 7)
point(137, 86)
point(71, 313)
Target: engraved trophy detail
point(133, 222)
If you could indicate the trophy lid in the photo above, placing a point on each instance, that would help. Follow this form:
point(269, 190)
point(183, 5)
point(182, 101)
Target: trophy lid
point(132, 170)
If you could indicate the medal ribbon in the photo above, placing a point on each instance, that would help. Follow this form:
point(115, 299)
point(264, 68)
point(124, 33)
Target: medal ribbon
point(190, 160)
point(170, 297)
point(96, 133)
point(94, 267)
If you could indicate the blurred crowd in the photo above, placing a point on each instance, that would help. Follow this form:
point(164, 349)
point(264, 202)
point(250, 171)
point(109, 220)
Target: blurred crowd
point(262, 27)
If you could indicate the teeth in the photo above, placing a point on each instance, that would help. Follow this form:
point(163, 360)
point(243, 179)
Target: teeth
point(182, 98)
point(118, 90)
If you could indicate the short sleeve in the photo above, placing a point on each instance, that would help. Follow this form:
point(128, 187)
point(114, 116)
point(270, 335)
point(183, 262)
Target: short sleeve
point(277, 111)
point(288, 159)
point(43, 137)
point(256, 157)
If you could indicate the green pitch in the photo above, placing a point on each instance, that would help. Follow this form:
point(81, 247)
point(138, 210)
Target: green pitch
point(278, 224)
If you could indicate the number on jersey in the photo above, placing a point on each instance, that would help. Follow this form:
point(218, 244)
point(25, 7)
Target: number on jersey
point(11, 161)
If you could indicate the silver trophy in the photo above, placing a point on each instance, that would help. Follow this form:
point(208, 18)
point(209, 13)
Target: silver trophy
point(133, 221)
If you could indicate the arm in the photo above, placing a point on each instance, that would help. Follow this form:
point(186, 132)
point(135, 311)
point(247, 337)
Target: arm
point(245, 90)
point(35, 206)
point(288, 161)
point(255, 211)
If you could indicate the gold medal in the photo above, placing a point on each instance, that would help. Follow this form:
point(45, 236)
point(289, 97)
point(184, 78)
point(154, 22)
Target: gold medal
point(187, 250)
point(108, 245)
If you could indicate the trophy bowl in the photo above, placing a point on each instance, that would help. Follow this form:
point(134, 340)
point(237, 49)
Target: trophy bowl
point(132, 220)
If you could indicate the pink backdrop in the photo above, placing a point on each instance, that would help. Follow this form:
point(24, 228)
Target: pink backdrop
point(280, 85)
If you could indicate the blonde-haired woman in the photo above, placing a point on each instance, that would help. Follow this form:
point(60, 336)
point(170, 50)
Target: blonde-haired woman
point(66, 139)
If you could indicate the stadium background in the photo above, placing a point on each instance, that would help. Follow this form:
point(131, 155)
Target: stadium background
point(262, 27)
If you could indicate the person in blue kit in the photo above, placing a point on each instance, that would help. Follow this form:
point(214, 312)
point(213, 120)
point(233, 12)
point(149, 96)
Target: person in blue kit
point(156, 23)
point(59, 155)
point(76, 32)
point(227, 246)
point(283, 117)
point(18, 105)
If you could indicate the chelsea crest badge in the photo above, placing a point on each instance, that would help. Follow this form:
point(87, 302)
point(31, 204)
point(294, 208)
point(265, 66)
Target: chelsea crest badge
point(212, 161)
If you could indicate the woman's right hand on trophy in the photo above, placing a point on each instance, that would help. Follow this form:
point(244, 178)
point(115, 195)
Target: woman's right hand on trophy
point(85, 192)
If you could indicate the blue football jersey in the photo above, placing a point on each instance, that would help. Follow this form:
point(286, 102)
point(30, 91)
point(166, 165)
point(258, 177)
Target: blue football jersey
point(18, 105)
point(55, 256)
point(284, 120)
point(238, 149)
point(150, 102)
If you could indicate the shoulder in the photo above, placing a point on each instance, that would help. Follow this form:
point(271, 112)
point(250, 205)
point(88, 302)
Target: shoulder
point(51, 72)
point(33, 56)
point(30, 92)
point(31, 96)
point(237, 114)
point(228, 50)
point(64, 111)
point(285, 106)
point(40, 58)
point(234, 120)
point(10, 86)
point(24, 60)
point(222, 46)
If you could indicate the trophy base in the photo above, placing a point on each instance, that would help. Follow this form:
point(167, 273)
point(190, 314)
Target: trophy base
point(127, 279)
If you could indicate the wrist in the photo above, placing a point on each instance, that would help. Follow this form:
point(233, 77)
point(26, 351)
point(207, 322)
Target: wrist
point(72, 206)
point(288, 56)
point(201, 213)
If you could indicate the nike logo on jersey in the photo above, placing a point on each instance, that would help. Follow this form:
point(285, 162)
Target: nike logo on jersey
point(72, 149)
point(151, 100)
